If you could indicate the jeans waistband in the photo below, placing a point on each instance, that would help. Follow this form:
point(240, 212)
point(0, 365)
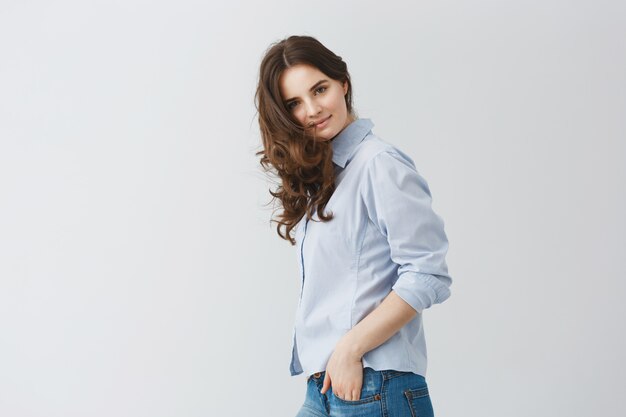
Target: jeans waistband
point(386, 374)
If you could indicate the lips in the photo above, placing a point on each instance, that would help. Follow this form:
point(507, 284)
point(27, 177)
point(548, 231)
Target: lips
point(320, 122)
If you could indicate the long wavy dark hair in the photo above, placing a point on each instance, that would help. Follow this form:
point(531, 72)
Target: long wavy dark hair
point(302, 163)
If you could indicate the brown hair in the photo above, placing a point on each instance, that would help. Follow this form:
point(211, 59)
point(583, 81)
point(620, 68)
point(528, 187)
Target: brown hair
point(303, 164)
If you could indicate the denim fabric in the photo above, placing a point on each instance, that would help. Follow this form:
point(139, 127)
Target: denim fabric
point(385, 393)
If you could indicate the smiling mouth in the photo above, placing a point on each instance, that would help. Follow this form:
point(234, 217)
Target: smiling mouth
point(319, 123)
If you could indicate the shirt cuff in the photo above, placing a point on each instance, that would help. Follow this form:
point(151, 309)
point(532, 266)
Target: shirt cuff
point(420, 291)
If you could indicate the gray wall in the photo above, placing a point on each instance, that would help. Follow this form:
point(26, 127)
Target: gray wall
point(139, 274)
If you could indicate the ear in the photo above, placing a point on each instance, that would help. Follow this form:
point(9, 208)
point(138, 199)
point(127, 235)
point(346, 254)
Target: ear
point(345, 88)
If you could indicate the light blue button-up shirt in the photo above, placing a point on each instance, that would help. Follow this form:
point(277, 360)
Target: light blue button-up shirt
point(384, 236)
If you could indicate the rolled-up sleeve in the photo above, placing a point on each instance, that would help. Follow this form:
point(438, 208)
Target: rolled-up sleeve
point(399, 202)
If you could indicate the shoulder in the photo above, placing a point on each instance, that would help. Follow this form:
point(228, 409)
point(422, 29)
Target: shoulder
point(377, 153)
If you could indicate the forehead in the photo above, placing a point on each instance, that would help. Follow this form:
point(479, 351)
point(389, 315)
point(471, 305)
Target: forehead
point(297, 80)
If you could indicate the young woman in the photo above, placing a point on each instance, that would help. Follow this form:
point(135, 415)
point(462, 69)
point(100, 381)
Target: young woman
point(370, 249)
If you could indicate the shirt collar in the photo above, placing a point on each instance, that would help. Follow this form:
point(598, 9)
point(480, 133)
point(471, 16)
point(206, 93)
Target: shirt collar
point(347, 140)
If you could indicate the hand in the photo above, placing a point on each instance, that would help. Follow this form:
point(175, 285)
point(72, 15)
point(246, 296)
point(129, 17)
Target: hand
point(345, 372)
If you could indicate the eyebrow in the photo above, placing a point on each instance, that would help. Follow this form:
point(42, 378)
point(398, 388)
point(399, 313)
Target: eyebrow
point(310, 89)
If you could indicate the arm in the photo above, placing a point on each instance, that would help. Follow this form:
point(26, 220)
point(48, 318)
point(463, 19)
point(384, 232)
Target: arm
point(373, 330)
point(399, 203)
point(378, 326)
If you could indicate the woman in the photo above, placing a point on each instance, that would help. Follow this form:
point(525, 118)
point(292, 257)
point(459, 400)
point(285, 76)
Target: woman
point(370, 249)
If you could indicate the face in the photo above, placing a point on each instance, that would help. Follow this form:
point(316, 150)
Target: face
point(315, 100)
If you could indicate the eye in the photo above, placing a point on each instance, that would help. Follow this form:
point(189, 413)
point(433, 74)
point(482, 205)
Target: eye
point(319, 89)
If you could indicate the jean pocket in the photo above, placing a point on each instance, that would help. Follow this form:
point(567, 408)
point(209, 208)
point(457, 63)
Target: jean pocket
point(370, 390)
point(419, 402)
point(363, 400)
point(369, 404)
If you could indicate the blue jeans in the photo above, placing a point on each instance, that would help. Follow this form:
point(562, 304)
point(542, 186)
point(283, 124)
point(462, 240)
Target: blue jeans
point(386, 393)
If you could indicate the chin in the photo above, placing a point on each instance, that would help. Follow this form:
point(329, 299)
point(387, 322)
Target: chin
point(324, 136)
point(330, 136)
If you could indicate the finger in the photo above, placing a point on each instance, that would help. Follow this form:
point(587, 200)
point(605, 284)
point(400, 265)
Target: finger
point(355, 395)
point(326, 383)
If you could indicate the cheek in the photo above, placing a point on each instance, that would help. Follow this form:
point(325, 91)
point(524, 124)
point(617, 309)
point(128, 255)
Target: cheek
point(299, 115)
point(339, 102)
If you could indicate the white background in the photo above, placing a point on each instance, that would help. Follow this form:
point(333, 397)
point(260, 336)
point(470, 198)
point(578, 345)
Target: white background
point(139, 273)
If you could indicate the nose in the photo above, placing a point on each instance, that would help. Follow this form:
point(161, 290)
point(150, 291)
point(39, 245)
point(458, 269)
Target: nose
point(313, 109)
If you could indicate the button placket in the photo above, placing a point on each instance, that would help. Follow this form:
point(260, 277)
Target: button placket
point(306, 222)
